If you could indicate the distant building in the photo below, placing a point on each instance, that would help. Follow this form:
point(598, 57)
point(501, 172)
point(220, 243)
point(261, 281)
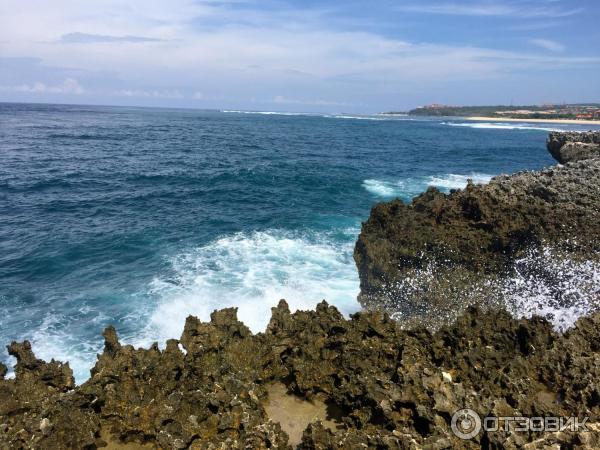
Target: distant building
point(585, 116)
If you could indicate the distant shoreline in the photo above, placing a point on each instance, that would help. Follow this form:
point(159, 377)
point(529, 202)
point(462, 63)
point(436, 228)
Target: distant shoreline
point(508, 119)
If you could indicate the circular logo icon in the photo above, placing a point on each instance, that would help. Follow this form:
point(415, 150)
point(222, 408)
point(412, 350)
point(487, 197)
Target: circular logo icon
point(466, 423)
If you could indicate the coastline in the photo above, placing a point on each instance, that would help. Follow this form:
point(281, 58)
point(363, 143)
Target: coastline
point(508, 119)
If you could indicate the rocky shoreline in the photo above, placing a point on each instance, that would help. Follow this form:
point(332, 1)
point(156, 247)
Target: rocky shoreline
point(430, 259)
point(383, 387)
point(369, 381)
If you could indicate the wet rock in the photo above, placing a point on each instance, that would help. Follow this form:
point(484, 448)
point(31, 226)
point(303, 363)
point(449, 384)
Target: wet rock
point(428, 260)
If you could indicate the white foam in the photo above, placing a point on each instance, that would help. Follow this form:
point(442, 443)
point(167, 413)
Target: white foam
point(552, 285)
point(382, 188)
point(503, 126)
point(454, 181)
point(411, 187)
point(253, 272)
point(267, 113)
point(54, 339)
point(250, 271)
point(345, 116)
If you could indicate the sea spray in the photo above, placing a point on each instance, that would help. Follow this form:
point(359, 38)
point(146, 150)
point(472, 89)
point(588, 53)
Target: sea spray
point(550, 283)
point(252, 272)
point(545, 281)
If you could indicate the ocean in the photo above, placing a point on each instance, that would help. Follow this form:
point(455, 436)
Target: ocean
point(138, 217)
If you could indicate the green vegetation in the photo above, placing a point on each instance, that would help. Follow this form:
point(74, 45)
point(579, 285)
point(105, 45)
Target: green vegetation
point(588, 111)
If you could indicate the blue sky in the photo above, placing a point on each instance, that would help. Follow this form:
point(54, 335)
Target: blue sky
point(340, 56)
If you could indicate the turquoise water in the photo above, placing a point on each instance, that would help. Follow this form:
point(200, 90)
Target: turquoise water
point(138, 217)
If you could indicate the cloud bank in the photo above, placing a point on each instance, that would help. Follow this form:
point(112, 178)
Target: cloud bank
point(245, 54)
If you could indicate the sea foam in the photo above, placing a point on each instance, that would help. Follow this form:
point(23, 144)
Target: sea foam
point(505, 126)
point(249, 271)
point(267, 113)
point(253, 271)
point(411, 187)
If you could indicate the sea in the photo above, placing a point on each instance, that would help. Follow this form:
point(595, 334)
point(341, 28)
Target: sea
point(139, 217)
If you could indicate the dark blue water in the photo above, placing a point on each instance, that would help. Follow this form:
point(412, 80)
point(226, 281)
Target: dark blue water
point(139, 217)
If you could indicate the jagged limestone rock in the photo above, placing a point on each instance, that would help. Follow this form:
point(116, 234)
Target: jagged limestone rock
point(385, 387)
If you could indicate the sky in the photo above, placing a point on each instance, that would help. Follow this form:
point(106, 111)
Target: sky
point(268, 55)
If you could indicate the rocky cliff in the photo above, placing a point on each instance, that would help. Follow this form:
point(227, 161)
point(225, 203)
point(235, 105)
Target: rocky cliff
point(315, 380)
point(566, 147)
point(433, 257)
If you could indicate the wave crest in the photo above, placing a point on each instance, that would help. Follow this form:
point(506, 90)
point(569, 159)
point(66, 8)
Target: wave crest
point(504, 126)
point(411, 187)
point(253, 271)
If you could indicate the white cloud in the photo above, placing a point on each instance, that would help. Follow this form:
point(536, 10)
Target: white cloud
point(281, 100)
point(460, 9)
point(536, 26)
point(86, 38)
point(69, 86)
point(168, 93)
point(153, 50)
point(486, 8)
point(547, 44)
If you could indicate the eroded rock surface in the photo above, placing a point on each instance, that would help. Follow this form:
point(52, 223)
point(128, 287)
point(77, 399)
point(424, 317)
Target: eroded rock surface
point(442, 252)
point(391, 388)
point(566, 147)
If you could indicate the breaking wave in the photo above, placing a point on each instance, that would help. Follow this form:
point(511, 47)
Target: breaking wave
point(249, 271)
point(253, 271)
point(377, 117)
point(410, 187)
point(267, 113)
point(506, 126)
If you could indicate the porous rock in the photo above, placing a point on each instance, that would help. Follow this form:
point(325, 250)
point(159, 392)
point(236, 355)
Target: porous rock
point(573, 146)
point(442, 252)
point(391, 388)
